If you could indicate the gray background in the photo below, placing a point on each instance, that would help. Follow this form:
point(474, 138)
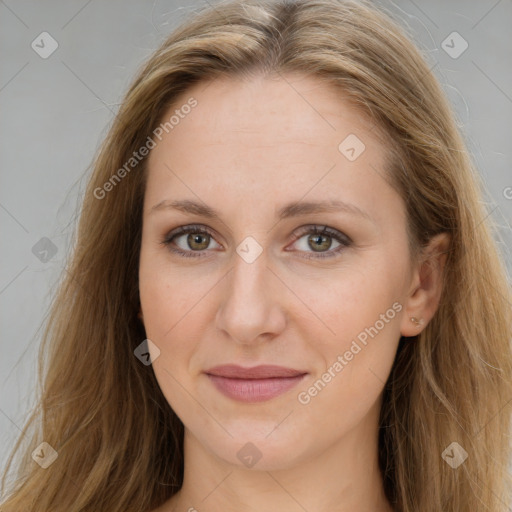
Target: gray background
point(56, 111)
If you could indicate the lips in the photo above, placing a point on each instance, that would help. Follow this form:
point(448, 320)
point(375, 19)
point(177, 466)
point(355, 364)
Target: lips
point(255, 384)
point(233, 371)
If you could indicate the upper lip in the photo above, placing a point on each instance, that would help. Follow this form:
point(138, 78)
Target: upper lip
point(267, 371)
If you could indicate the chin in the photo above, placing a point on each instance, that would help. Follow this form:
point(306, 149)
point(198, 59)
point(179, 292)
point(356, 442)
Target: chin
point(259, 451)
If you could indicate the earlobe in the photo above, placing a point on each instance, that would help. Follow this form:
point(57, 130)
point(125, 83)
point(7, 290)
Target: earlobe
point(413, 326)
point(424, 299)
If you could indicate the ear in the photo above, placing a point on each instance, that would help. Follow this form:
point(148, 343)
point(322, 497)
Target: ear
point(426, 286)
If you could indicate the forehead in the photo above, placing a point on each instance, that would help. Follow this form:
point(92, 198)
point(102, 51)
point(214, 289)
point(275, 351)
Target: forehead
point(275, 110)
point(264, 137)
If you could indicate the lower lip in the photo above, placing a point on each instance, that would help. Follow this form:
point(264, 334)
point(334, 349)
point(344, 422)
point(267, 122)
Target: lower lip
point(254, 390)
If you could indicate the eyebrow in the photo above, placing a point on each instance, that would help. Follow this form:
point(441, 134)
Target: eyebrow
point(293, 209)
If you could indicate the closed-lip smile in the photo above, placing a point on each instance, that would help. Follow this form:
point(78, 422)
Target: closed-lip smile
point(255, 384)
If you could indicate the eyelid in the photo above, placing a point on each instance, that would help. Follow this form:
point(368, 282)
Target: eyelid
point(324, 230)
point(344, 240)
point(184, 230)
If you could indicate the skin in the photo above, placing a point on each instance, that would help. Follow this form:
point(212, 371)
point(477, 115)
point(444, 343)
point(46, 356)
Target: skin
point(248, 148)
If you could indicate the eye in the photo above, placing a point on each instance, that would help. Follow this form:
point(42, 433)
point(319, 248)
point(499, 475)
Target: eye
point(318, 239)
point(198, 239)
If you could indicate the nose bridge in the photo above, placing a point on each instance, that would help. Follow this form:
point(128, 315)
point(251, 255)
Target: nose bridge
point(248, 308)
point(250, 269)
point(248, 277)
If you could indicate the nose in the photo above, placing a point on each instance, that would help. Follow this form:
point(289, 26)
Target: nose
point(251, 309)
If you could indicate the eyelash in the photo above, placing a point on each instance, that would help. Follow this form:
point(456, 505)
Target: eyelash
point(343, 239)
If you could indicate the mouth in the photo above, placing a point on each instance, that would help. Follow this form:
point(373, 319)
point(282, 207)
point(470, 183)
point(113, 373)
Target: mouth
point(256, 384)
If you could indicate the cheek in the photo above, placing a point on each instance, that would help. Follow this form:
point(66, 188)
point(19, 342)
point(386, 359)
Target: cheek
point(173, 302)
point(168, 326)
point(165, 318)
point(162, 313)
point(358, 314)
point(346, 301)
point(354, 367)
point(161, 292)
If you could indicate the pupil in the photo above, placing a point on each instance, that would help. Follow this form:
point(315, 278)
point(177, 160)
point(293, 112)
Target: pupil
point(196, 239)
point(318, 241)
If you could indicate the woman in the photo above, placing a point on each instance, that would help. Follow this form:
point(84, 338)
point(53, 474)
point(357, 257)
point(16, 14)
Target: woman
point(285, 294)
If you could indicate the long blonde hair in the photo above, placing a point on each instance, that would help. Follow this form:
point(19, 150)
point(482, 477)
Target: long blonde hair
point(119, 443)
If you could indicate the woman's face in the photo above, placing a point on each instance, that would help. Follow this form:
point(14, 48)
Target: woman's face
point(258, 163)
